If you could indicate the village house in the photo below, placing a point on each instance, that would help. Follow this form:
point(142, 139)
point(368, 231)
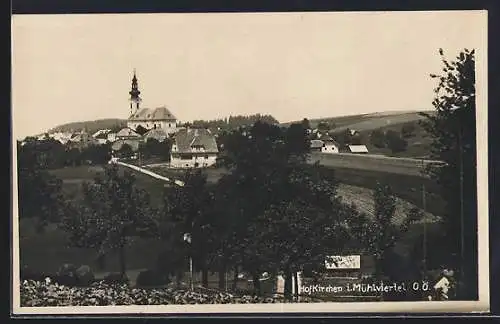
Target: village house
point(81, 140)
point(316, 145)
point(193, 148)
point(148, 118)
point(156, 133)
point(111, 137)
point(101, 136)
point(128, 134)
point(118, 144)
point(329, 144)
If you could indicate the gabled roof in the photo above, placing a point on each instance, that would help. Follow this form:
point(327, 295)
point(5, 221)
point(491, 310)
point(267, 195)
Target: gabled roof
point(127, 132)
point(156, 133)
point(149, 114)
point(186, 139)
point(118, 145)
point(316, 143)
point(358, 148)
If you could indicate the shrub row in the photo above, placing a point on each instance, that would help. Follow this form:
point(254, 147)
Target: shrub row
point(47, 293)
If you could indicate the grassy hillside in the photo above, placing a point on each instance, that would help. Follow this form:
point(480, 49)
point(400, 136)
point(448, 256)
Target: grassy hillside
point(92, 126)
point(418, 145)
point(363, 122)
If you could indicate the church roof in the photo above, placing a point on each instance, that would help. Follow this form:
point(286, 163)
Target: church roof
point(150, 114)
point(186, 139)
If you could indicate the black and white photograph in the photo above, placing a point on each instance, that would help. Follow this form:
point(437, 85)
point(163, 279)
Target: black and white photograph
point(275, 162)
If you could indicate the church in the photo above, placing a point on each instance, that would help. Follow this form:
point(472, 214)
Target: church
point(148, 118)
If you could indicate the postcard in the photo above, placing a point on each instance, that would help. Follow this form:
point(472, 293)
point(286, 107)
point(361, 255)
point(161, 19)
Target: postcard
point(312, 162)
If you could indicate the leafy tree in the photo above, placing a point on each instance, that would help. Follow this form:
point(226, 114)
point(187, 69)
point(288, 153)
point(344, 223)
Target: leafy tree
point(39, 195)
point(269, 173)
point(377, 138)
point(357, 139)
point(126, 151)
point(453, 130)
point(113, 212)
point(380, 233)
point(323, 126)
point(306, 124)
point(187, 210)
point(394, 142)
point(297, 144)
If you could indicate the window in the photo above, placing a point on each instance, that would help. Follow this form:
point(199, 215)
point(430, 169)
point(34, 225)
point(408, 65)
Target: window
point(206, 157)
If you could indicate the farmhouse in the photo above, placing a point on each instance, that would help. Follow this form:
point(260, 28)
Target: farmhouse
point(358, 149)
point(316, 145)
point(329, 144)
point(81, 140)
point(193, 148)
point(148, 118)
point(128, 134)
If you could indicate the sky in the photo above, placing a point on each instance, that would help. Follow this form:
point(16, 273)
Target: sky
point(78, 67)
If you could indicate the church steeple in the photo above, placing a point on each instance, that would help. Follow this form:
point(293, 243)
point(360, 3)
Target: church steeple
point(135, 99)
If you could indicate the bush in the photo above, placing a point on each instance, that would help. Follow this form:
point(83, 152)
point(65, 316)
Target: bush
point(151, 278)
point(85, 276)
point(67, 275)
point(116, 278)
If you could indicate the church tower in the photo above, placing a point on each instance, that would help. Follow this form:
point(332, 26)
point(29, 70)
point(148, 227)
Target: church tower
point(135, 100)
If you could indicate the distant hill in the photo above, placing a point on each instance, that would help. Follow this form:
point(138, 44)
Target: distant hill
point(365, 122)
point(91, 126)
point(418, 144)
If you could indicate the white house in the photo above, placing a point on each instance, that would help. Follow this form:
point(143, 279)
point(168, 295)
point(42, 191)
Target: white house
point(193, 148)
point(153, 118)
point(329, 145)
point(111, 137)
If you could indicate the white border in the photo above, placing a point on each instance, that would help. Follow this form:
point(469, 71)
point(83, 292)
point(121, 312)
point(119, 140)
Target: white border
point(482, 305)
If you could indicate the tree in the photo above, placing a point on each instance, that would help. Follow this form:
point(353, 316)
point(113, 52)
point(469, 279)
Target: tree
point(126, 151)
point(394, 142)
point(379, 234)
point(323, 126)
point(187, 210)
point(306, 124)
point(113, 212)
point(40, 196)
point(452, 127)
point(377, 138)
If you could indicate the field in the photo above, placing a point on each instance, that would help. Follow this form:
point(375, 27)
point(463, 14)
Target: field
point(365, 122)
point(407, 187)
